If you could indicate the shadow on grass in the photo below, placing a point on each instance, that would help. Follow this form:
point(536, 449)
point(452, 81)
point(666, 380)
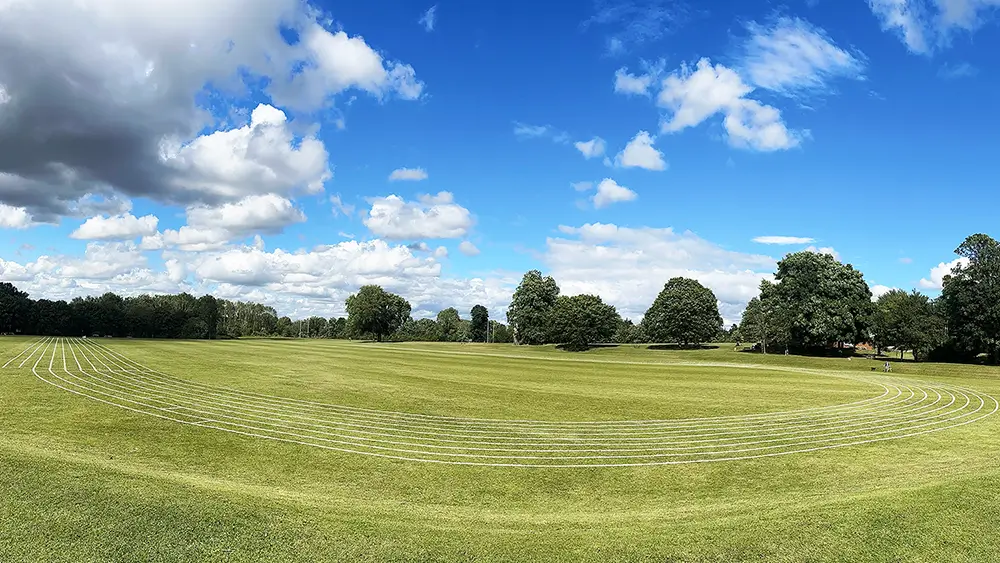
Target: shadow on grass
point(583, 347)
point(681, 347)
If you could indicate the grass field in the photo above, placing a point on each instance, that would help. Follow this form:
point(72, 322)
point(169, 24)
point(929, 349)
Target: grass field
point(860, 466)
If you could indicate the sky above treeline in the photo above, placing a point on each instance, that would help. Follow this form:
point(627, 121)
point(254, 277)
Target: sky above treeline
point(288, 152)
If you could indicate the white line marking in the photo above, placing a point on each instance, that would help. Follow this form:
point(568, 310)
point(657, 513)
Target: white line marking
point(126, 384)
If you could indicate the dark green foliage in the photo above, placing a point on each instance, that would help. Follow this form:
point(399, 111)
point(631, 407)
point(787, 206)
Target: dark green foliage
point(421, 330)
point(480, 322)
point(14, 308)
point(684, 312)
point(908, 321)
point(239, 318)
point(530, 306)
point(970, 300)
point(764, 322)
point(581, 320)
point(372, 310)
point(336, 328)
point(629, 333)
point(449, 325)
point(819, 301)
point(500, 333)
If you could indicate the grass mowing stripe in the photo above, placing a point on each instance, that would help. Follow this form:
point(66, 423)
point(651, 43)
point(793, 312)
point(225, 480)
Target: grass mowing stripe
point(119, 384)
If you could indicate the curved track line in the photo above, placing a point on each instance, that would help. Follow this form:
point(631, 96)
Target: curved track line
point(905, 408)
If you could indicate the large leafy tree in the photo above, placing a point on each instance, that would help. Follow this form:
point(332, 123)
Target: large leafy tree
point(372, 310)
point(628, 333)
point(581, 320)
point(763, 321)
point(820, 301)
point(15, 307)
point(971, 299)
point(529, 309)
point(908, 321)
point(480, 323)
point(685, 312)
point(449, 325)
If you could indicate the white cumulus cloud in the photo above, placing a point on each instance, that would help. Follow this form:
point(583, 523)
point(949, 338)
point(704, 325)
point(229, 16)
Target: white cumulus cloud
point(116, 227)
point(936, 278)
point(430, 217)
point(692, 95)
point(113, 100)
point(627, 267)
point(12, 217)
point(783, 240)
point(824, 250)
point(468, 249)
point(879, 290)
point(640, 153)
point(609, 191)
point(631, 84)
point(592, 148)
point(408, 174)
point(267, 213)
point(258, 158)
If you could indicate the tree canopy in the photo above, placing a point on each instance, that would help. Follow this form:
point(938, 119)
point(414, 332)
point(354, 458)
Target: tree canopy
point(581, 320)
point(908, 321)
point(814, 302)
point(479, 324)
point(449, 325)
point(684, 312)
point(372, 310)
point(528, 314)
point(819, 301)
point(971, 299)
point(628, 333)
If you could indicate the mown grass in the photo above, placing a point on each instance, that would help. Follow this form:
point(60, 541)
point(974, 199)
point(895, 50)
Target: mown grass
point(81, 481)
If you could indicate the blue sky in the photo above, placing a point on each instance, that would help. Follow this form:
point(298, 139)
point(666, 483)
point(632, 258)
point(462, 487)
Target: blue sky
point(443, 149)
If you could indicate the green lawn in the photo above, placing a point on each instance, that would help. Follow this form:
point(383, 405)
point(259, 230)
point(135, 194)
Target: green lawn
point(86, 481)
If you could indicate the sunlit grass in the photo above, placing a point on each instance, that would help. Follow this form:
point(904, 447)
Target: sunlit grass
point(81, 481)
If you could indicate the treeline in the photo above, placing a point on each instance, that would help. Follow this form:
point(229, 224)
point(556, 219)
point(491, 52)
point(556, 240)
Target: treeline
point(815, 301)
point(207, 317)
point(685, 312)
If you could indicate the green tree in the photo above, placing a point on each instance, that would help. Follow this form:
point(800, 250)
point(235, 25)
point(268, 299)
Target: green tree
point(581, 320)
point(449, 325)
point(15, 307)
point(628, 333)
point(480, 322)
point(685, 312)
point(820, 301)
point(500, 333)
point(763, 321)
point(908, 321)
point(208, 310)
point(529, 309)
point(422, 330)
point(284, 326)
point(372, 310)
point(970, 299)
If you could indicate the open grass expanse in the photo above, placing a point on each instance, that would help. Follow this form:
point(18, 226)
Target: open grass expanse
point(85, 481)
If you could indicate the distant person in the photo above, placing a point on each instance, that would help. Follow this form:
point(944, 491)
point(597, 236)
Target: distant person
point(887, 367)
